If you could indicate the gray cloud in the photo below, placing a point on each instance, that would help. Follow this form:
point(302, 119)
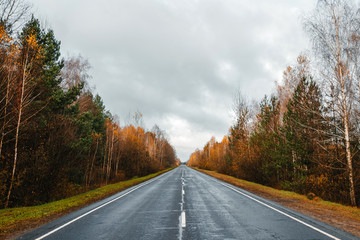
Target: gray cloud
point(180, 62)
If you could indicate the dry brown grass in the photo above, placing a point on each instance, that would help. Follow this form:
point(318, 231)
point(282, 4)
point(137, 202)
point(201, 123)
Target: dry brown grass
point(343, 217)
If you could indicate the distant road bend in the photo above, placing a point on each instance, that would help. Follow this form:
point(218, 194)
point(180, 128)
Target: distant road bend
point(185, 204)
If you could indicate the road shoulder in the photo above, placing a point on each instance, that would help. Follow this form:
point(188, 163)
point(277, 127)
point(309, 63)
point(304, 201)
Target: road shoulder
point(16, 221)
point(342, 217)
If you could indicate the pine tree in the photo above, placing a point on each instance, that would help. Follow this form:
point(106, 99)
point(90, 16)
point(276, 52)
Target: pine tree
point(303, 128)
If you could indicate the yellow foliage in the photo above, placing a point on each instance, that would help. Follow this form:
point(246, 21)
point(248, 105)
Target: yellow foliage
point(4, 37)
point(31, 40)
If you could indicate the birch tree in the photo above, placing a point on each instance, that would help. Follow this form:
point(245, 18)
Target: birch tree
point(291, 78)
point(333, 26)
point(75, 73)
point(8, 54)
point(30, 54)
point(13, 12)
point(160, 140)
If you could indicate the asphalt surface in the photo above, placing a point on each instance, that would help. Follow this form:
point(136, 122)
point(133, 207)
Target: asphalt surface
point(185, 204)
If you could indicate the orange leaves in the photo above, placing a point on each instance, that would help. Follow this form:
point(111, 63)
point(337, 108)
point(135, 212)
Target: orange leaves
point(225, 141)
point(354, 38)
point(8, 49)
point(341, 70)
point(291, 77)
point(288, 70)
point(4, 37)
point(302, 59)
point(31, 41)
point(96, 135)
point(213, 155)
point(34, 47)
point(135, 151)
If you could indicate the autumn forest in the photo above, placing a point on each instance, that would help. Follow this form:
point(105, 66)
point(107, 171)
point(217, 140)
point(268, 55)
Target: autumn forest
point(57, 139)
point(305, 136)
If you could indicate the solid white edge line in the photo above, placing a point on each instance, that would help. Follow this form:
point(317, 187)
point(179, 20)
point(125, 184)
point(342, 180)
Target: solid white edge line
point(93, 210)
point(277, 210)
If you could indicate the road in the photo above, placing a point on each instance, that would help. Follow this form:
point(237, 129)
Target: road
point(185, 204)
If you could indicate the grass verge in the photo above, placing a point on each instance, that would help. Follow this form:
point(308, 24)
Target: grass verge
point(14, 221)
point(343, 217)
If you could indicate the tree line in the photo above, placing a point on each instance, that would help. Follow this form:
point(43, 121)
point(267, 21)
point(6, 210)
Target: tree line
point(305, 136)
point(57, 139)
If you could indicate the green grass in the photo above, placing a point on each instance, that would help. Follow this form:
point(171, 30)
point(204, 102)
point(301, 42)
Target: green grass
point(14, 220)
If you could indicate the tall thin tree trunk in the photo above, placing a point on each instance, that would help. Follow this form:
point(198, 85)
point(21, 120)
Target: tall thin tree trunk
point(111, 147)
point(345, 116)
point(92, 163)
point(348, 150)
point(347, 142)
point(88, 163)
point(117, 161)
point(5, 113)
point(349, 164)
point(17, 134)
point(106, 152)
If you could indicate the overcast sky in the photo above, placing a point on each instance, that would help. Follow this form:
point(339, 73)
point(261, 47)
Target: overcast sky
point(180, 62)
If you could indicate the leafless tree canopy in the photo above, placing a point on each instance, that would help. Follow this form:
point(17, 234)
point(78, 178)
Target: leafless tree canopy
point(306, 136)
point(13, 12)
point(334, 28)
point(335, 35)
point(241, 110)
point(75, 73)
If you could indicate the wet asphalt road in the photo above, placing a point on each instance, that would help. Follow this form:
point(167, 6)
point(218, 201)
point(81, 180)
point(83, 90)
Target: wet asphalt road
point(185, 204)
